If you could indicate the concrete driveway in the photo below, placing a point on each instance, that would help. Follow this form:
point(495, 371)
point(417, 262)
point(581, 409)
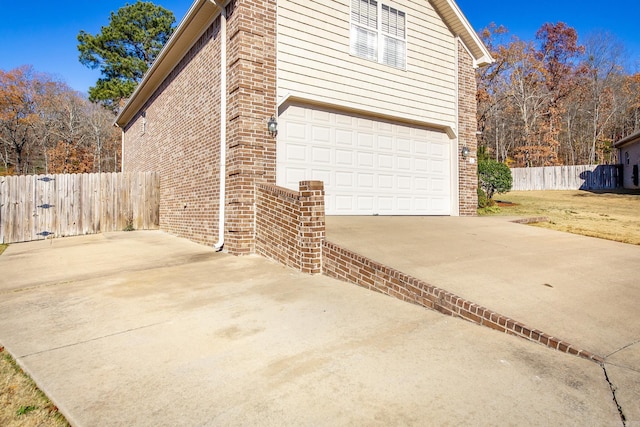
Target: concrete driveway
point(143, 328)
point(583, 290)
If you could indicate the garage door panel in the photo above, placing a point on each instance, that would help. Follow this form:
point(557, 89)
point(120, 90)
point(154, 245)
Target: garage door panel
point(296, 153)
point(385, 143)
point(368, 166)
point(438, 167)
point(385, 127)
point(405, 204)
point(296, 112)
point(344, 180)
point(403, 145)
point(438, 185)
point(365, 203)
point(344, 158)
point(365, 140)
point(344, 203)
point(320, 155)
point(404, 131)
point(344, 120)
point(440, 205)
point(421, 148)
point(385, 182)
point(366, 181)
point(403, 163)
point(421, 204)
point(439, 150)
point(421, 166)
point(365, 124)
point(366, 160)
point(385, 204)
point(295, 175)
point(385, 161)
point(321, 175)
point(320, 135)
point(421, 184)
point(403, 183)
point(344, 137)
point(320, 116)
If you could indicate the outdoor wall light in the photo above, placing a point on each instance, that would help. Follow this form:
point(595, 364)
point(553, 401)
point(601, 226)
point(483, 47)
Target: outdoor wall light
point(465, 152)
point(272, 126)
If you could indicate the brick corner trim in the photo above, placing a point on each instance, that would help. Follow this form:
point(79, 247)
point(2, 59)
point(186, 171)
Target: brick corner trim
point(290, 225)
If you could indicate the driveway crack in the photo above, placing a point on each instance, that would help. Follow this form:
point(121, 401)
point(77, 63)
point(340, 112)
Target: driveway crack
point(91, 340)
point(613, 389)
point(622, 348)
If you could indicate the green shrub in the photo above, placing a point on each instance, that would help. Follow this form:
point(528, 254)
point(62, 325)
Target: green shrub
point(483, 200)
point(489, 210)
point(494, 177)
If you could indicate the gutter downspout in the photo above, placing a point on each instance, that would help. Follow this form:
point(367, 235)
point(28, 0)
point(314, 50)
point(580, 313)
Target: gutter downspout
point(456, 156)
point(223, 121)
point(122, 150)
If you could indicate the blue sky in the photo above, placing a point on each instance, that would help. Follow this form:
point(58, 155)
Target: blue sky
point(43, 33)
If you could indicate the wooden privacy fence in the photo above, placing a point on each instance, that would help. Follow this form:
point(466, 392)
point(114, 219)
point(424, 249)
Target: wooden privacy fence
point(33, 207)
point(583, 177)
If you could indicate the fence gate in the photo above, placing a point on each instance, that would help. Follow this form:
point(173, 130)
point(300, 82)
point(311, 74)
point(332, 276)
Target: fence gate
point(34, 207)
point(43, 207)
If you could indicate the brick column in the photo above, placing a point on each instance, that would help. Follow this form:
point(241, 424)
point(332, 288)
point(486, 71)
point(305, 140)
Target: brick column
point(251, 95)
point(312, 226)
point(467, 127)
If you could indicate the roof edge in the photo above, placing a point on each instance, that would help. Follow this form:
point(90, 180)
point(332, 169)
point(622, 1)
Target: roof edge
point(201, 13)
point(634, 137)
point(458, 24)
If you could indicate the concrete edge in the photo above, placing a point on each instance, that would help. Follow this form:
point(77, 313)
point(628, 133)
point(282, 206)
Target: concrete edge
point(25, 368)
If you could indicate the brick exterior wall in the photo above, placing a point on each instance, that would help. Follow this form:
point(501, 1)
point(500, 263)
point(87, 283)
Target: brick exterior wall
point(251, 154)
point(467, 127)
point(343, 264)
point(181, 141)
point(290, 225)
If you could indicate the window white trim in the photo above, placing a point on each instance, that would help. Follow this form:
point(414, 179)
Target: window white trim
point(378, 33)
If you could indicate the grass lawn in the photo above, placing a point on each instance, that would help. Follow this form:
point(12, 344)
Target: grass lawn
point(607, 215)
point(21, 402)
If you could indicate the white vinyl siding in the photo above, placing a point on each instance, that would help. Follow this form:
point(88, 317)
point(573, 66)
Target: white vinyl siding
point(315, 62)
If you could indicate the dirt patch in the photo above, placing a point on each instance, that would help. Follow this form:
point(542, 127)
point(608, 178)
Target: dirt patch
point(607, 215)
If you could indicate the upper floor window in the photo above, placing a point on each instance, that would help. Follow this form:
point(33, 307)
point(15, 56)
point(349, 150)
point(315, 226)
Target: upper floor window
point(378, 33)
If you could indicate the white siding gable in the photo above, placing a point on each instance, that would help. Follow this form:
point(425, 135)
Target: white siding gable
point(314, 62)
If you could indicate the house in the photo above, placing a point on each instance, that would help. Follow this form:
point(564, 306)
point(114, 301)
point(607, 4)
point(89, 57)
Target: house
point(375, 98)
point(629, 155)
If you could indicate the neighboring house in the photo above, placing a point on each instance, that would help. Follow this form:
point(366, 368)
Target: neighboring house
point(375, 98)
point(629, 155)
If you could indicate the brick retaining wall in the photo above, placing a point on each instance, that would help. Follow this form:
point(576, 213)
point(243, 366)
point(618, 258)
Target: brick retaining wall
point(343, 264)
point(290, 225)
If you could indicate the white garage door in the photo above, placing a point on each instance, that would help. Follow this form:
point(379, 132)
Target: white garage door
point(369, 166)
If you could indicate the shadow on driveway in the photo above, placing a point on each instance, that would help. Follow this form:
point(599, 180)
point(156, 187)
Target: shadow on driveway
point(144, 328)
